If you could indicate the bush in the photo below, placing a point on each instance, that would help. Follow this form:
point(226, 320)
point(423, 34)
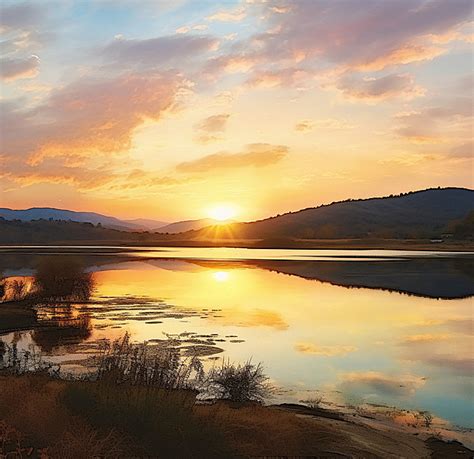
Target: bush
point(238, 383)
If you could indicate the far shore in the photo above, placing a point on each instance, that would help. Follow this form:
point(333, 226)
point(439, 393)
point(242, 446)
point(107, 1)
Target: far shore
point(333, 244)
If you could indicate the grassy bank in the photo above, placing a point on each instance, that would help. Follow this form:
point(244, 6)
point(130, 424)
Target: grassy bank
point(44, 417)
point(142, 401)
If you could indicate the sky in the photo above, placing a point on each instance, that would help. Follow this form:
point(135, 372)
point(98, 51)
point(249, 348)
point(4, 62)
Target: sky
point(170, 109)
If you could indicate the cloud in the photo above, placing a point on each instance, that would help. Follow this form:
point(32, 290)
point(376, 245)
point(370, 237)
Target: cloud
point(465, 150)
point(186, 29)
point(15, 69)
point(255, 155)
point(371, 383)
point(373, 36)
point(376, 89)
point(230, 63)
point(328, 123)
point(158, 51)
point(448, 119)
point(324, 351)
point(87, 117)
point(210, 126)
point(21, 15)
point(235, 15)
point(214, 123)
point(304, 126)
point(324, 41)
point(57, 172)
point(288, 77)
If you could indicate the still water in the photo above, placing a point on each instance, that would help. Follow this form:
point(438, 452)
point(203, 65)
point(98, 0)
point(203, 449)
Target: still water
point(381, 327)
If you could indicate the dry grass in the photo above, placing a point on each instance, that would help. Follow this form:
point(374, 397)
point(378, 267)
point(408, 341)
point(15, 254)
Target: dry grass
point(72, 419)
point(256, 430)
point(82, 419)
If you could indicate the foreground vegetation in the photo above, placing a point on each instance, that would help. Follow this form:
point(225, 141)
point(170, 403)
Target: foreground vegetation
point(143, 401)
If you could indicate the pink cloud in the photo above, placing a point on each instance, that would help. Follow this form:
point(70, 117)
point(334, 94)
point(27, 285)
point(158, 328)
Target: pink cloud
point(158, 51)
point(88, 116)
point(376, 89)
point(19, 68)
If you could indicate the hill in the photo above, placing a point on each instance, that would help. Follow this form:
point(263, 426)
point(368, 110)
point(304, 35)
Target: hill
point(375, 222)
point(46, 213)
point(419, 214)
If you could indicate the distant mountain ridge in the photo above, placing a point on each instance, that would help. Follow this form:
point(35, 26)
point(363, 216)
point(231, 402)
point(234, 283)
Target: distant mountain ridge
point(437, 213)
point(46, 213)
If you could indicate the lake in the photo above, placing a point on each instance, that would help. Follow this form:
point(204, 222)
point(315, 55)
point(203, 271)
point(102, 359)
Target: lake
point(353, 327)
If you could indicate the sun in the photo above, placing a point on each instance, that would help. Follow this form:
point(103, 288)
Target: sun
point(223, 212)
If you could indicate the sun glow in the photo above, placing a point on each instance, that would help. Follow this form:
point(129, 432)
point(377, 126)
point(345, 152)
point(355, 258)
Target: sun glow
point(222, 213)
point(221, 276)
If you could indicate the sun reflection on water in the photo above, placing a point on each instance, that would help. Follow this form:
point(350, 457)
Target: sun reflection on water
point(221, 276)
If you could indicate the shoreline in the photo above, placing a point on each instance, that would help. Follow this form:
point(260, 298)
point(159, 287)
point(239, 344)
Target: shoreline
point(247, 429)
point(114, 247)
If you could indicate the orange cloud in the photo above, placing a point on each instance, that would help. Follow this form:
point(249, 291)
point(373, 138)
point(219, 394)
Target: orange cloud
point(288, 77)
point(210, 126)
point(256, 155)
point(445, 121)
point(328, 123)
point(214, 123)
point(87, 117)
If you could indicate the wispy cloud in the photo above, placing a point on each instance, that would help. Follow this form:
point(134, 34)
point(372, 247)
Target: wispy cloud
point(255, 155)
point(159, 51)
point(372, 89)
point(87, 117)
point(15, 69)
point(211, 126)
point(325, 124)
point(229, 15)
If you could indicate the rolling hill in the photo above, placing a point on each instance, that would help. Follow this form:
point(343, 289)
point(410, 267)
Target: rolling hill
point(419, 214)
point(46, 213)
point(434, 213)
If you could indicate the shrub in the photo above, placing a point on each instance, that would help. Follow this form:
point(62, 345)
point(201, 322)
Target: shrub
point(313, 403)
point(238, 383)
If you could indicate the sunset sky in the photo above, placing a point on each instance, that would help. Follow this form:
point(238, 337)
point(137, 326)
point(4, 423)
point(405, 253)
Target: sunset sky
point(167, 109)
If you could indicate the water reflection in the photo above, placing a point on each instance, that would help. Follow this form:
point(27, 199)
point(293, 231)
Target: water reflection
point(58, 333)
point(62, 279)
point(221, 276)
point(303, 319)
point(52, 297)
